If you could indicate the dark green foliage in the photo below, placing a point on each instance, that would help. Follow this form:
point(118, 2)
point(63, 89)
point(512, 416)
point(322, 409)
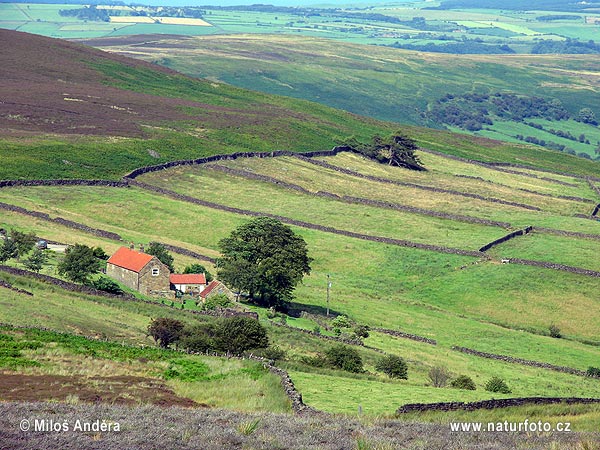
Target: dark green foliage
point(107, 285)
point(463, 382)
point(198, 338)
point(198, 268)
point(586, 115)
point(272, 352)
point(344, 357)
point(362, 331)
point(393, 366)
point(473, 111)
point(8, 250)
point(10, 352)
point(78, 263)
point(100, 253)
point(23, 242)
point(496, 384)
point(266, 259)
point(87, 13)
point(568, 46)
point(554, 331)
point(36, 260)
point(238, 334)
point(165, 330)
point(217, 301)
point(395, 150)
point(159, 250)
point(593, 372)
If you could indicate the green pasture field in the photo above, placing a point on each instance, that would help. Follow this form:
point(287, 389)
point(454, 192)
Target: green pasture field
point(314, 179)
point(511, 129)
point(335, 394)
point(558, 249)
point(265, 198)
point(391, 276)
point(391, 394)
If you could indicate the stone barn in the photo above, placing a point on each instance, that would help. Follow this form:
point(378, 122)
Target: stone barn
point(139, 271)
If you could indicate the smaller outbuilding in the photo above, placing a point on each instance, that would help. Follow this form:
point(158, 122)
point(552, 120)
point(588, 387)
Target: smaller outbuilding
point(214, 288)
point(189, 283)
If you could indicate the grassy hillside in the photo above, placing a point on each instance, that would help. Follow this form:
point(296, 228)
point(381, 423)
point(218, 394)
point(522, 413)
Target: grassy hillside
point(381, 82)
point(98, 115)
point(422, 292)
point(379, 233)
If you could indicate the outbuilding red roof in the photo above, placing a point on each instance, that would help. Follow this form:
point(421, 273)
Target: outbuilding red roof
point(187, 278)
point(213, 284)
point(130, 259)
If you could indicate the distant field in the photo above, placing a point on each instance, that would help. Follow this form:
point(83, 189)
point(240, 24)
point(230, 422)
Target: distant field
point(384, 83)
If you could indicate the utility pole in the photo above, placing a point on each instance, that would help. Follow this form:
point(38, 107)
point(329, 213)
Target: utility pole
point(328, 287)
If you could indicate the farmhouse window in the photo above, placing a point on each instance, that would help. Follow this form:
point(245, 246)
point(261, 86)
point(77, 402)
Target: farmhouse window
point(155, 271)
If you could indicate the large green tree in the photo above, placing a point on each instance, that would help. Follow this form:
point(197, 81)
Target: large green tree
point(79, 263)
point(24, 242)
point(265, 259)
point(160, 251)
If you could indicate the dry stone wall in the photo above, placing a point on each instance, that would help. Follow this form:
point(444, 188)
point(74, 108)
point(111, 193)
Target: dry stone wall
point(16, 183)
point(61, 221)
point(366, 237)
point(524, 362)
point(358, 200)
point(404, 335)
point(492, 404)
point(417, 186)
point(506, 238)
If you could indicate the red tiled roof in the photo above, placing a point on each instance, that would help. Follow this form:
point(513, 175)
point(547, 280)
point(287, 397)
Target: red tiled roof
point(213, 284)
point(130, 259)
point(188, 278)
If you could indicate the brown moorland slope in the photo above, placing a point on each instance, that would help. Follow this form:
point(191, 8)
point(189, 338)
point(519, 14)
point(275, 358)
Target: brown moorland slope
point(50, 86)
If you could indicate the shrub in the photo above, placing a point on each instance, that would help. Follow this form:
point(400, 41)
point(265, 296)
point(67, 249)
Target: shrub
point(393, 366)
point(463, 382)
point(593, 372)
point(439, 376)
point(317, 329)
point(238, 334)
point(345, 358)
point(341, 322)
point(198, 338)
point(496, 384)
point(314, 361)
point(165, 330)
point(107, 285)
point(554, 331)
point(362, 331)
point(217, 301)
point(272, 352)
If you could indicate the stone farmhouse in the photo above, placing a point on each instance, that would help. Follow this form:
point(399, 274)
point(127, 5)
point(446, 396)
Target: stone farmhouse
point(139, 271)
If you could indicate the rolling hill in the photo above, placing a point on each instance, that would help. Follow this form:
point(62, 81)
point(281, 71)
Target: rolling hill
point(409, 254)
point(402, 86)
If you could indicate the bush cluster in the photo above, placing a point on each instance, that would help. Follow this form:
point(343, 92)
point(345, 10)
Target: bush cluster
point(233, 335)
